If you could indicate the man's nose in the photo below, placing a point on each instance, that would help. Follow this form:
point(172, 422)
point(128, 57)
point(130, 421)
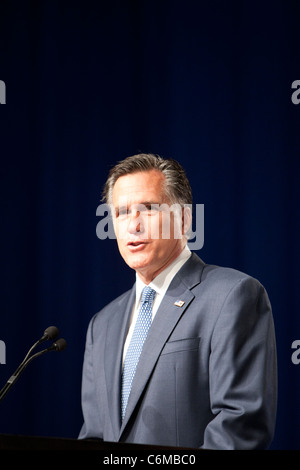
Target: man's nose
point(135, 224)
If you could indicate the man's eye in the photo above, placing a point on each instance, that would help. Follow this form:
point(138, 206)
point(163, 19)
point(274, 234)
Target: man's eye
point(121, 212)
point(153, 209)
point(146, 209)
point(150, 209)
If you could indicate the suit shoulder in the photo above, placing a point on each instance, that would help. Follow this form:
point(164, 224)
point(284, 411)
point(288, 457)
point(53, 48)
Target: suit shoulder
point(223, 283)
point(112, 306)
point(227, 276)
point(221, 272)
point(196, 272)
point(115, 302)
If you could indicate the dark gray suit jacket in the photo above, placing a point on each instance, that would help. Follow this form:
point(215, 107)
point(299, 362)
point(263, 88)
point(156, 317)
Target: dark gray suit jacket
point(207, 375)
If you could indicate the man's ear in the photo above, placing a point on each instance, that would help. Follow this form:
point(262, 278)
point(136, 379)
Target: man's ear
point(186, 220)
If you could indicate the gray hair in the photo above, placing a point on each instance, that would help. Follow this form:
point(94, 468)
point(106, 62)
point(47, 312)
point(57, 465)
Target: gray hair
point(176, 185)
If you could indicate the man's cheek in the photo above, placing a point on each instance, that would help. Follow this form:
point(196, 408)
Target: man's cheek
point(152, 229)
point(120, 230)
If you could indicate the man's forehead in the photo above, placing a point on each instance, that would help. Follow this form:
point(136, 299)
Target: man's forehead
point(125, 202)
point(140, 186)
point(140, 177)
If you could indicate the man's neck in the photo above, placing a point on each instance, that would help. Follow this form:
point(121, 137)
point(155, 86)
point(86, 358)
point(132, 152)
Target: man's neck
point(148, 277)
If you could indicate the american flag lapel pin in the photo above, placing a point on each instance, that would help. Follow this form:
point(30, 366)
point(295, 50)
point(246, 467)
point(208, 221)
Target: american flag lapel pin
point(179, 303)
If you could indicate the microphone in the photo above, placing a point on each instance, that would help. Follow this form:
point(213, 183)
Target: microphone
point(59, 345)
point(50, 333)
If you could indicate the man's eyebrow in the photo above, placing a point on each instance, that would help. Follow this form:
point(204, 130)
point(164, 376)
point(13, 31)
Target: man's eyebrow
point(148, 203)
point(136, 204)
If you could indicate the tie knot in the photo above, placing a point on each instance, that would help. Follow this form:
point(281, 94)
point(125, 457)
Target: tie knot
point(148, 294)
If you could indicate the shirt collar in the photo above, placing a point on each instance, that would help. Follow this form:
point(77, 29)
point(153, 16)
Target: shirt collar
point(162, 281)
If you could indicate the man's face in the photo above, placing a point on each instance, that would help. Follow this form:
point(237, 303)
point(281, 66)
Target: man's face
point(147, 236)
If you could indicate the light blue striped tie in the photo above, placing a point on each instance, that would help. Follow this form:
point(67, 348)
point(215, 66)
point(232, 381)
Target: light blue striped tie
point(135, 347)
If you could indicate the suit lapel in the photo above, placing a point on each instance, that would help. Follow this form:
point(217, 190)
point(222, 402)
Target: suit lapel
point(163, 324)
point(115, 338)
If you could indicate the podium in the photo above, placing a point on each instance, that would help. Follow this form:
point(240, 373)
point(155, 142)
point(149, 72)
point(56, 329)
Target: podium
point(89, 452)
point(94, 453)
point(19, 442)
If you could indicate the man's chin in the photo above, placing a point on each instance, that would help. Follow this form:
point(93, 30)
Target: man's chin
point(137, 262)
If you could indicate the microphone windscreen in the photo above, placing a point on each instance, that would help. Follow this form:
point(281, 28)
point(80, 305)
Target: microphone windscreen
point(51, 332)
point(60, 344)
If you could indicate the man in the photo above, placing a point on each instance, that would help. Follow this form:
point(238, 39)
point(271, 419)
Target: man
point(205, 372)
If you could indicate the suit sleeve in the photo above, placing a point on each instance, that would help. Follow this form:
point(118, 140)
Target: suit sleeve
point(92, 422)
point(243, 371)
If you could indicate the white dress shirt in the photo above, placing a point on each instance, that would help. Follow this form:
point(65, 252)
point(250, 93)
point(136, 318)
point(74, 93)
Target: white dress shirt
point(160, 284)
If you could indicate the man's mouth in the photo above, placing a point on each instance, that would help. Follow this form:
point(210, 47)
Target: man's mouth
point(134, 245)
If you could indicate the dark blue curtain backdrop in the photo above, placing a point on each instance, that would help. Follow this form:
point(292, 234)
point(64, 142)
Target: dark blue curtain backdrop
point(89, 83)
